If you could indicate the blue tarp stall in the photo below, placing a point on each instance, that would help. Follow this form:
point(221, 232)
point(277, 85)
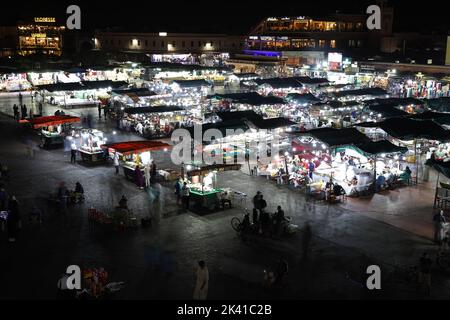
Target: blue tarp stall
point(279, 83)
point(410, 129)
point(186, 84)
point(155, 109)
point(307, 98)
point(360, 92)
point(250, 98)
point(257, 120)
point(439, 104)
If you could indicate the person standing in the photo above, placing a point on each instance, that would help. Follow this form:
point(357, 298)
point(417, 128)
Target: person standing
point(16, 112)
point(40, 108)
point(116, 162)
point(140, 181)
point(306, 240)
point(439, 226)
point(73, 153)
point(178, 187)
point(153, 173)
point(99, 107)
point(185, 195)
point(202, 283)
point(20, 99)
point(105, 112)
point(147, 170)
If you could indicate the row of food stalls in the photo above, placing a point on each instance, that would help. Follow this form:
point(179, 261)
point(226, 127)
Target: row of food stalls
point(77, 94)
point(326, 159)
point(16, 80)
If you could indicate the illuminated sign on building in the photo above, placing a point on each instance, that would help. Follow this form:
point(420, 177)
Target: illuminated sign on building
point(45, 19)
point(39, 35)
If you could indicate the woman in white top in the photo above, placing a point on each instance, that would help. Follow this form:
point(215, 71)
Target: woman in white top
point(201, 286)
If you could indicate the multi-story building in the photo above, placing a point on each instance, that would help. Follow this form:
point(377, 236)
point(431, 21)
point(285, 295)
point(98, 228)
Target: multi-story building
point(307, 40)
point(164, 42)
point(42, 35)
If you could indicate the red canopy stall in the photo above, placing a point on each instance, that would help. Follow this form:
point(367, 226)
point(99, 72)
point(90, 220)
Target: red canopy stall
point(53, 128)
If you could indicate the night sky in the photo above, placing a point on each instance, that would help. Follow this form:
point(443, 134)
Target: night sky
point(230, 16)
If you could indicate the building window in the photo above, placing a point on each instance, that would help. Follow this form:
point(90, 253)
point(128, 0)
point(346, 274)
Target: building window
point(139, 43)
point(192, 44)
point(174, 44)
point(162, 44)
point(154, 44)
point(183, 44)
point(321, 43)
point(146, 43)
point(333, 44)
point(199, 43)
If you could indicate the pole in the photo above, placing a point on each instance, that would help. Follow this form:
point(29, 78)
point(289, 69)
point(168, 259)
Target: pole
point(416, 160)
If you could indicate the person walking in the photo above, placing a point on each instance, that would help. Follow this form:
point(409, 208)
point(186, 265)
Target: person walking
point(140, 181)
point(105, 112)
point(147, 170)
point(116, 162)
point(40, 108)
point(439, 226)
point(306, 240)
point(73, 153)
point(99, 108)
point(153, 173)
point(202, 282)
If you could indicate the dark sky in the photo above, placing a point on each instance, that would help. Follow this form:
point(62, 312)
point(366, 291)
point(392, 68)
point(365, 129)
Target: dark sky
point(230, 16)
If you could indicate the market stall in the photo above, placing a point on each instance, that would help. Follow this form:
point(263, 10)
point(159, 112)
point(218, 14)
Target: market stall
point(53, 129)
point(153, 122)
point(136, 155)
point(89, 142)
point(203, 187)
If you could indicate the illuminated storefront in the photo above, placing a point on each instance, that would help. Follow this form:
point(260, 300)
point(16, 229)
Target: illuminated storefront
point(43, 35)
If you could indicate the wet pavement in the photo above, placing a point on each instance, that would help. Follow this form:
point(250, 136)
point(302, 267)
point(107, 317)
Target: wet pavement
point(160, 262)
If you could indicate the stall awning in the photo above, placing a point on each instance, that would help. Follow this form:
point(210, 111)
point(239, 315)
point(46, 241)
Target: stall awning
point(80, 86)
point(223, 127)
point(256, 119)
point(440, 166)
point(280, 83)
point(131, 147)
point(387, 110)
point(338, 137)
point(41, 122)
point(155, 109)
point(360, 92)
point(312, 81)
point(302, 98)
point(409, 129)
point(439, 104)
point(438, 117)
point(250, 98)
point(136, 91)
point(395, 102)
point(215, 167)
point(376, 148)
point(192, 83)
